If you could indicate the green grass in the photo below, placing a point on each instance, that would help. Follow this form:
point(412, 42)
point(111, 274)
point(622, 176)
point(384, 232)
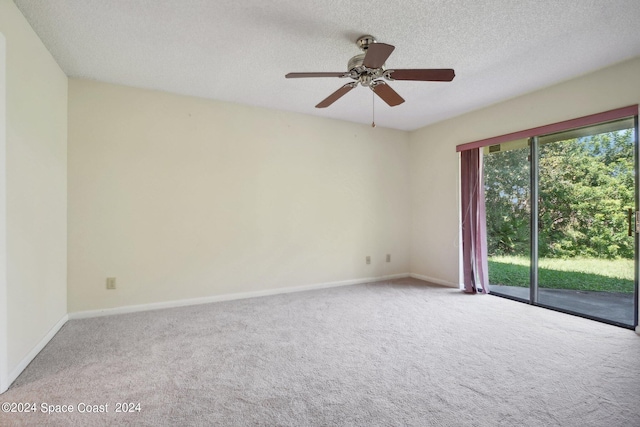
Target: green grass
point(584, 274)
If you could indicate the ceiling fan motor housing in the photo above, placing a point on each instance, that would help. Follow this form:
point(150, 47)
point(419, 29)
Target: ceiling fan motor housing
point(356, 62)
point(358, 71)
point(362, 74)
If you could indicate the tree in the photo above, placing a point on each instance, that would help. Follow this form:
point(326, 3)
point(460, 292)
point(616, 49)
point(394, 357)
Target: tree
point(506, 176)
point(585, 187)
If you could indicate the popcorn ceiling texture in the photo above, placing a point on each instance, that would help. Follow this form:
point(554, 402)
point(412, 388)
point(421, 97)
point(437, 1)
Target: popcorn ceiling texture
point(239, 51)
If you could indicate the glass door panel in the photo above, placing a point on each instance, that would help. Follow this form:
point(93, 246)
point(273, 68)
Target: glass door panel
point(508, 212)
point(585, 244)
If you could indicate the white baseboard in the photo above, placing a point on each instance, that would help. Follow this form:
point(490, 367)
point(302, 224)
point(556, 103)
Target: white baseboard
point(33, 353)
point(638, 329)
point(435, 280)
point(226, 297)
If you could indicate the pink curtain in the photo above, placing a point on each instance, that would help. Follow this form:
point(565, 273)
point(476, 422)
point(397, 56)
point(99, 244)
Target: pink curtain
point(474, 226)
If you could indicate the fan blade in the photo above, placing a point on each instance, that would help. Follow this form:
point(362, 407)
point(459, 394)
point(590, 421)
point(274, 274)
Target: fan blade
point(336, 95)
point(424, 75)
point(377, 54)
point(387, 94)
point(299, 75)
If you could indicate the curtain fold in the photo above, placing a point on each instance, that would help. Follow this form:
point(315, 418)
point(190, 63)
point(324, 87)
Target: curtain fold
point(474, 228)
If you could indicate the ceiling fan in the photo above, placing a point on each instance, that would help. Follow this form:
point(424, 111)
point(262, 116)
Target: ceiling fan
point(368, 69)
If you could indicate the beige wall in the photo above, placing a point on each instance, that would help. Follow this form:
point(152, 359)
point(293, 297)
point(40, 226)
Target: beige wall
point(36, 188)
point(434, 169)
point(180, 197)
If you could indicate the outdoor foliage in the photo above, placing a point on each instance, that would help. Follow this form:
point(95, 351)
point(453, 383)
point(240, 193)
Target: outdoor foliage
point(506, 176)
point(586, 186)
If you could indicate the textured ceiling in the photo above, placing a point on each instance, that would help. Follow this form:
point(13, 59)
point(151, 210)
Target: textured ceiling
point(240, 50)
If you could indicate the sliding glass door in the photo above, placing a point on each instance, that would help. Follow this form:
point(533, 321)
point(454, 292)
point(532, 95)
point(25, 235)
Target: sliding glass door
point(578, 190)
point(508, 210)
point(586, 253)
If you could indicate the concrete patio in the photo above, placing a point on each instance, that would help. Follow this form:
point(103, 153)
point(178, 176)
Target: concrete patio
point(610, 306)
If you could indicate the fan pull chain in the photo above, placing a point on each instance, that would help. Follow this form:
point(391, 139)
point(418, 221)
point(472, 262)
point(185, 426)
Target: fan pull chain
point(373, 109)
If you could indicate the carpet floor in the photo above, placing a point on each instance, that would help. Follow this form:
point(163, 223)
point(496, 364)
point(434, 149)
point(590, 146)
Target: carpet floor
point(396, 353)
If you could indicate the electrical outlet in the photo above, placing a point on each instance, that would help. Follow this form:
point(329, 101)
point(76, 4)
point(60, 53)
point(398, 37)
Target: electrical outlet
point(368, 259)
point(111, 282)
point(388, 257)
